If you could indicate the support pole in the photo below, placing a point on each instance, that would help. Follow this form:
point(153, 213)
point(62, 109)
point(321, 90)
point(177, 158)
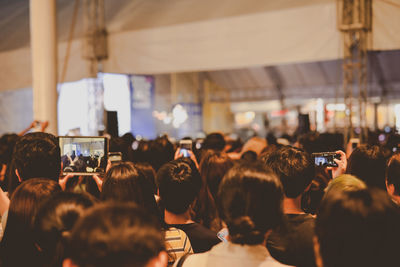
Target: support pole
point(43, 30)
point(354, 21)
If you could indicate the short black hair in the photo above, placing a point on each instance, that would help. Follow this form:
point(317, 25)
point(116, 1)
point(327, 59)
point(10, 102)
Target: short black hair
point(358, 228)
point(37, 155)
point(294, 168)
point(393, 173)
point(250, 202)
point(178, 184)
point(115, 234)
point(214, 141)
point(368, 163)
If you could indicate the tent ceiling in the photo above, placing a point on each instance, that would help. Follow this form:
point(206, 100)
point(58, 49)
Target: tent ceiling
point(166, 36)
point(307, 80)
point(128, 15)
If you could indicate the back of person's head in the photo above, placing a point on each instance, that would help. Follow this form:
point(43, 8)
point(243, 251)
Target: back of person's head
point(18, 234)
point(368, 163)
point(250, 202)
point(310, 142)
point(116, 234)
point(149, 172)
point(214, 141)
point(393, 174)
point(294, 168)
point(213, 167)
point(28, 197)
point(160, 151)
point(345, 182)
point(249, 156)
point(178, 185)
point(117, 144)
point(54, 222)
point(128, 138)
point(358, 228)
point(125, 183)
point(37, 155)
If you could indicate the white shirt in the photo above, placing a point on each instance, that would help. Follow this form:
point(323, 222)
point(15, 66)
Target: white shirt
point(227, 254)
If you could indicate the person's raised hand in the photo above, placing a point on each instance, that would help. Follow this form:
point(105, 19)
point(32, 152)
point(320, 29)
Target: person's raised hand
point(99, 181)
point(342, 165)
point(33, 124)
point(62, 181)
point(179, 154)
point(44, 125)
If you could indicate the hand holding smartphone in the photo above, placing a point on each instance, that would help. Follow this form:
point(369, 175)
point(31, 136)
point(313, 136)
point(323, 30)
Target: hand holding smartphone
point(184, 147)
point(326, 159)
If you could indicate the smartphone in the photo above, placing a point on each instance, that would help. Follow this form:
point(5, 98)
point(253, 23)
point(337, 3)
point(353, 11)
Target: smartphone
point(83, 155)
point(325, 159)
point(115, 157)
point(184, 147)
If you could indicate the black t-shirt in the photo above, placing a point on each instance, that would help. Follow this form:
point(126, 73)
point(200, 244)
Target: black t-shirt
point(292, 244)
point(201, 238)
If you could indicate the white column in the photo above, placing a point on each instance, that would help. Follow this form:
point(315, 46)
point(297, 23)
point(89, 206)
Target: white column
point(43, 30)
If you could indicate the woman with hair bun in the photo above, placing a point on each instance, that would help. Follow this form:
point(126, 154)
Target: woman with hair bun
point(250, 204)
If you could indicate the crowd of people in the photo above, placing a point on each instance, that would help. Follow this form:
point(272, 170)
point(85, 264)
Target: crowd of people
point(223, 203)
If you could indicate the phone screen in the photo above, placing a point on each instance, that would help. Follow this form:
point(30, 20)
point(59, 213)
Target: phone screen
point(184, 152)
point(325, 159)
point(83, 155)
point(184, 147)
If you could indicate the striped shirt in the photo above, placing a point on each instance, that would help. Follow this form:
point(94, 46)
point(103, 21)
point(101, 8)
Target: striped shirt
point(177, 244)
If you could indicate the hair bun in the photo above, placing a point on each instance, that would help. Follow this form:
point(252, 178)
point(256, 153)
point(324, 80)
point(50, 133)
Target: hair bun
point(244, 223)
point(242, 231)
point(181, 169)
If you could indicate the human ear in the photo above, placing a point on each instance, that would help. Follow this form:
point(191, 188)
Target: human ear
point(69, 263)
point(159, 261)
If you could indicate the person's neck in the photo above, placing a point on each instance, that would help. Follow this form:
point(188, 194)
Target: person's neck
point(172, 218)
point(292, 205)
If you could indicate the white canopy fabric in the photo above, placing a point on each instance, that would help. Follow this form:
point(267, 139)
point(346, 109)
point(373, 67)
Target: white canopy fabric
point(154, 37)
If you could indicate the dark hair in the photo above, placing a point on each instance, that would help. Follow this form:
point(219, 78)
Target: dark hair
point(393, 173)
point(213, 167)
point(36, 155)
point(358, 228)
point(54, 222)
point(249, 156)
point(178, 185)
point(124, 182)
point(149, 172)
point(368, 163)
point(250, 202)
point(160, 151)
point(7, 144)
point(115, 234)
point(128, 138)
point(310, 142)
point(117, 144)
point(214, 141)
point(294, 168)
point(18, 236)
